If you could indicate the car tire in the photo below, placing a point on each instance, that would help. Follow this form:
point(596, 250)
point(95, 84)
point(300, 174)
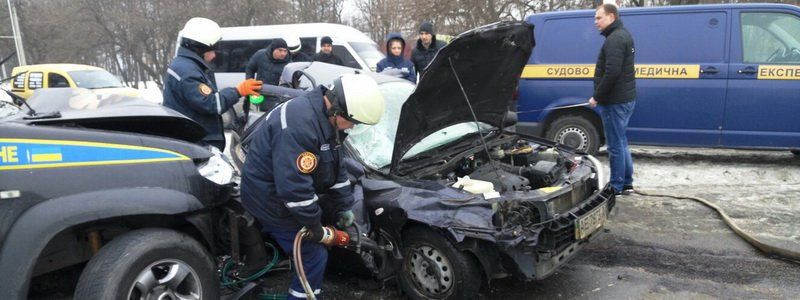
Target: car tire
point(149, 263)
point(796, 153)
point(237, 153)
point(575, 131)
point(430, 260)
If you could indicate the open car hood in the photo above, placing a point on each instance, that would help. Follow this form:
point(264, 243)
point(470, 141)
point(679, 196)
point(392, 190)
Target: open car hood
point(84, 108)
point(488, 61)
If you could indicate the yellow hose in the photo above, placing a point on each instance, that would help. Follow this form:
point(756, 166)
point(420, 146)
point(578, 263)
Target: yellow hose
point(764, 247)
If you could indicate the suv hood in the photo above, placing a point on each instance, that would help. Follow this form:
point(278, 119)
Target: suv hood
point(84, 108)
point(488, 61)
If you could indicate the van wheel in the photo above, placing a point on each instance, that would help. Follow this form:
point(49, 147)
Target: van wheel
point(576, 132)
point(434, 269)
point(149, 264)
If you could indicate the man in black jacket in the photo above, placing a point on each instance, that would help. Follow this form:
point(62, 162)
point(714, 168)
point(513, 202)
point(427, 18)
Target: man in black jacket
point(325, 53)
point(426, 48)
point(267, 65)
point(615, 92)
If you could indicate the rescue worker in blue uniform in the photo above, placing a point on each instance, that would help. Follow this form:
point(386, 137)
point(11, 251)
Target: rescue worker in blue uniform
point(294, 169)
point(190, 87)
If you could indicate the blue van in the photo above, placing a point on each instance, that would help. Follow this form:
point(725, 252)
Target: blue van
point(707, 76)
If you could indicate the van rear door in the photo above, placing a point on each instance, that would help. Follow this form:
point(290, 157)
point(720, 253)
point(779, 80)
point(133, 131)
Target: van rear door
point(763, 102)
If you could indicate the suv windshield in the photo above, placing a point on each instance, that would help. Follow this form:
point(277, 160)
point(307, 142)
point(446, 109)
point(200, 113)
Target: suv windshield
point(94, 79)
point(369, 53)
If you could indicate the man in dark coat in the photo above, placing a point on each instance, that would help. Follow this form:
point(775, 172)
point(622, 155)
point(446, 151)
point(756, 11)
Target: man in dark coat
point(426, 48)
point(325, 53)
point(615, 92)
point(267, 65)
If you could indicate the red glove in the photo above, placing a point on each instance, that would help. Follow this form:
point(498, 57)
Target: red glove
point(249, 87)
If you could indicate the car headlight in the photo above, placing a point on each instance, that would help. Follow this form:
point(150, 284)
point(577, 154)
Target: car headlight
point(598, 171)
point(217, 168)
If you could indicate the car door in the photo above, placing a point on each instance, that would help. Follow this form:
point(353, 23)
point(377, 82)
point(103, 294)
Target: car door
point(763, 94)
point(681, 76)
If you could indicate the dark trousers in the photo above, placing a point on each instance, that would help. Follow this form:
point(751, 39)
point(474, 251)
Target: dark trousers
point(315, 257)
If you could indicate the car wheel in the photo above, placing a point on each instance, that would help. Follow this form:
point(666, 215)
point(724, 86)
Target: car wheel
point(149, 264)
point(237, 153)
point(575, 131)
point(434, 269)
point(796, 153)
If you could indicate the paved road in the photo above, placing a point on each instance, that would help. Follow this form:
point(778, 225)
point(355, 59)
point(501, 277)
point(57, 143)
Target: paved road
point(657, 248)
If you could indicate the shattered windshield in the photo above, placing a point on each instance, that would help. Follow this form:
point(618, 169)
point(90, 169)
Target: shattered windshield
point(445, 136)
point(374, 144)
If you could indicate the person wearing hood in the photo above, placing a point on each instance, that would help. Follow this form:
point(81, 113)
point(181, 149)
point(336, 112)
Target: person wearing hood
point(325, 53)
point(395, 63)
point(426, 48)
point(267, 65)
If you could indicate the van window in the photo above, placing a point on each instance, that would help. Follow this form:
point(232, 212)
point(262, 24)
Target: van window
point(35, 80)
point(770, 38)
point(19, 82)
point(232, 56)
point(55, 80)
point(347, 58)
point(94, 79)
point(369, 52)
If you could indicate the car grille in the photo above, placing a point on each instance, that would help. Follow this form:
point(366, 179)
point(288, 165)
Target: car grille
point(563, 203)
point(561, 232)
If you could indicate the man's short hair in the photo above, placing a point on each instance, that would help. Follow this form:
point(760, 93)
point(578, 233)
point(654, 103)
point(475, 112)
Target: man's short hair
point(610, 8)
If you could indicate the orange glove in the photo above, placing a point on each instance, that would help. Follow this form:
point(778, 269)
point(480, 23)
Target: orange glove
point(249, 87)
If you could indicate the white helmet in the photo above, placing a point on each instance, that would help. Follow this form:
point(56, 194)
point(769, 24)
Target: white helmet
point(292, 42)
point(202, 31)
point(358, 99)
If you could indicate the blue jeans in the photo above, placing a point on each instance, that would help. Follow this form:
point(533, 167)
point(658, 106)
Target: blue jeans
point(615, 123)
point(315, 257)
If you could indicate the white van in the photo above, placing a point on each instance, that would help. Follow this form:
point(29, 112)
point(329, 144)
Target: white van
point(238, 44)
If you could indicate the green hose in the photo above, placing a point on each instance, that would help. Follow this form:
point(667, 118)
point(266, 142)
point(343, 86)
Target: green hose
point(235, 284)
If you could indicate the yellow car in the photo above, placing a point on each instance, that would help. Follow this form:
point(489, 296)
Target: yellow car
point(67, 75)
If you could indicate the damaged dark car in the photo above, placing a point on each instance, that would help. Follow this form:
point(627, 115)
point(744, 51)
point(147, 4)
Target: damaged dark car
point(452, 196)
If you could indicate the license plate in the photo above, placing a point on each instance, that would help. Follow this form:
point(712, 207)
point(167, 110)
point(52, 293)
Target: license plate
point(589, 223)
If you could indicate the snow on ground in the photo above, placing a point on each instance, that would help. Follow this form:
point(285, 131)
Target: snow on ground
point(150, 91)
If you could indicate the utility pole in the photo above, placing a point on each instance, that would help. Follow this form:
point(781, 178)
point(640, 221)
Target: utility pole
point(12, 12)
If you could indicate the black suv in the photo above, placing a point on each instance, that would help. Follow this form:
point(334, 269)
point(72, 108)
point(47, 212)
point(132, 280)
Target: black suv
point(116, 182)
